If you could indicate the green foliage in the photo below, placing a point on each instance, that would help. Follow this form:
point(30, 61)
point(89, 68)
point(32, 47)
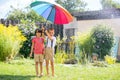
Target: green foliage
point(11, 40)
point(110, 59)
point(85, 45)
point(107, 4)
point(16, 14)
point(59, 43)
point(72, 46)
point(103, 40)
point(61, 57)
point(72, 5)
point(33, 16)
point(30, 15)
point(85, 42)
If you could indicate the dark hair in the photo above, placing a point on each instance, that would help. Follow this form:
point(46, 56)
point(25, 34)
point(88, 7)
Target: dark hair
point(38, 30)
point(51, 28)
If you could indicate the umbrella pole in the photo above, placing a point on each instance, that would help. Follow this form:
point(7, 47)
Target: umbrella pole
point(44, 25)
point(46, 21)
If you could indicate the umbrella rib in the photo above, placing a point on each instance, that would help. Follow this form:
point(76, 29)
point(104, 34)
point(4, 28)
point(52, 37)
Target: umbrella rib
point(50, 12)
point(44, 11)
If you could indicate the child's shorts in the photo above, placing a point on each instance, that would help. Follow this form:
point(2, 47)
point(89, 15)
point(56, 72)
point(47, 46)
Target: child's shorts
point(38, 57)
point(49, 55)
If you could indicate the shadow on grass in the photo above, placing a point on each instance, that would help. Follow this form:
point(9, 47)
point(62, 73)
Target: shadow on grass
point(16, 77)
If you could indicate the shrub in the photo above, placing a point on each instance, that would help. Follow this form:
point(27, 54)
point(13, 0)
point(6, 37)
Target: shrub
point(110, 59)
point(61, 57)
point(11, 40)
point(99, 64)
point(103, 40)
point(85, 45)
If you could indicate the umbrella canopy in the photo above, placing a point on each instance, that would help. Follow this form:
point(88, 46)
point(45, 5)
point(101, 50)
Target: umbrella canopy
point(52, 12)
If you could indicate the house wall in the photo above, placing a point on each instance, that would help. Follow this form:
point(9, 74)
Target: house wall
point(71, 25)
point(86, 25)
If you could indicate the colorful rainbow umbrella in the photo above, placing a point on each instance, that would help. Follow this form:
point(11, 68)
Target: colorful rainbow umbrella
point(52, 11)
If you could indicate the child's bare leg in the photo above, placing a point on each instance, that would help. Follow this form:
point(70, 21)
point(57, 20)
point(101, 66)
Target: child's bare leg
point(41, 68)
point(36, 67)
point(52, 67)
point(47, 65)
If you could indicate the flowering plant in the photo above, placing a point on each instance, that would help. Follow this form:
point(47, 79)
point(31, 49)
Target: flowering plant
point(11, 40)
point(110, 59)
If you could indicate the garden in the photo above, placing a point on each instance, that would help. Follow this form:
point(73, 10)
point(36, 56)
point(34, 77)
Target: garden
point(77, 63)
point(84, 56)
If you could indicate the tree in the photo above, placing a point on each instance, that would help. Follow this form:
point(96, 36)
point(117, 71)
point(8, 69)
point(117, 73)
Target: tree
point(72, 5)
point(107, 4)
point(29, 15)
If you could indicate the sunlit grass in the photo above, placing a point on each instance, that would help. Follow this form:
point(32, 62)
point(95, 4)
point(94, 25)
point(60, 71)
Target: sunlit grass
point(25, 70)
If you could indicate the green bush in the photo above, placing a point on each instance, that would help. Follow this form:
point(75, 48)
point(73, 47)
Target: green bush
point(110, 59)
point(62, 57)
point(103, 40)
point(11, 40)
point(85, 45)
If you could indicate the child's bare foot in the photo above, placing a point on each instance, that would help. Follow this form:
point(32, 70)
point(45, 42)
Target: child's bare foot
point(37, 75)
point(52, 75)
point(48, 75)
point(41, 74)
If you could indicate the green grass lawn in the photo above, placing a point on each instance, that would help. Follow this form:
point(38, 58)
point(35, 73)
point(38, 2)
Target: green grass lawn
point(25, 70)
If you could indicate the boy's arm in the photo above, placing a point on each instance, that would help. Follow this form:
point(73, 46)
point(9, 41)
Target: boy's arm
point(48, 35)
point(31, 49)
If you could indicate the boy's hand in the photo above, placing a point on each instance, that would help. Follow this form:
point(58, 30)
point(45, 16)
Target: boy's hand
point(46, 31)
point(43, 28)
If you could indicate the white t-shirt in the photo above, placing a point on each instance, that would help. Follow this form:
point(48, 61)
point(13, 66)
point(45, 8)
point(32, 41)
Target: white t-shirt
point(49, 42)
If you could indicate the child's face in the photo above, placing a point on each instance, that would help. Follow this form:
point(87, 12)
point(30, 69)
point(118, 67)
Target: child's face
point(51, 32)
point(38, 34)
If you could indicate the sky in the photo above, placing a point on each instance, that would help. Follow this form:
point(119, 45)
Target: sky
point(5, 5)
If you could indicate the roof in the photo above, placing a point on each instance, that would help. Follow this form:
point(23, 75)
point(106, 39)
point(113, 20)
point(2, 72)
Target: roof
point(100, 14)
